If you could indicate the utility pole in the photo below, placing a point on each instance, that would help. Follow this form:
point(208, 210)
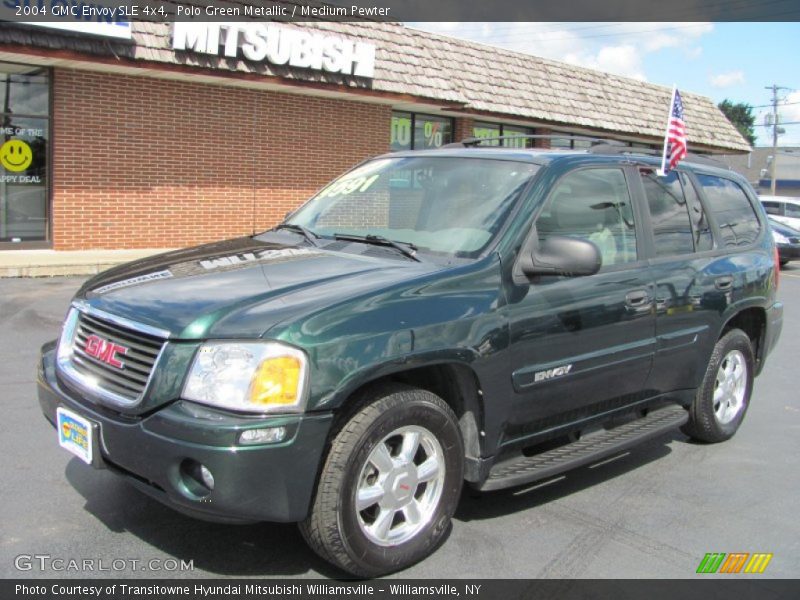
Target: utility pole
point(773, 169)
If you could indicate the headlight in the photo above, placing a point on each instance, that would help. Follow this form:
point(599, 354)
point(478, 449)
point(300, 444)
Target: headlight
point(779, 239)
point(256, 377)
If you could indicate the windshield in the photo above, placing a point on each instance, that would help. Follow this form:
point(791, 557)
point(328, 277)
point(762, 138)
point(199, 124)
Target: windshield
point(442, 205)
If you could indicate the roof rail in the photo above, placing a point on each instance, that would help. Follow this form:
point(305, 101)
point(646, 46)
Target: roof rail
point(476, 141)
point(598, 146)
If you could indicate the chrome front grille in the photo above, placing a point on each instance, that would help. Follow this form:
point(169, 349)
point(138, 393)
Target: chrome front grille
point(109, 356)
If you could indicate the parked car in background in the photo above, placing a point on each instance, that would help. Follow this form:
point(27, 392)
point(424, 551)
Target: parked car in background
point(783, 209)
point(787, 239)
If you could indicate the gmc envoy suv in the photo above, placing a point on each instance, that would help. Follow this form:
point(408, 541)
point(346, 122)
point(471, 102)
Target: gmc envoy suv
point(471, 315)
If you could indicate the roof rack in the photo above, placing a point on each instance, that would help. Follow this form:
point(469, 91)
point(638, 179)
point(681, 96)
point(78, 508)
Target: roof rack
point(597, 146)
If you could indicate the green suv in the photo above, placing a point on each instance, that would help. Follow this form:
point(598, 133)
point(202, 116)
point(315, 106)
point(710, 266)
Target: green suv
point(481, 315)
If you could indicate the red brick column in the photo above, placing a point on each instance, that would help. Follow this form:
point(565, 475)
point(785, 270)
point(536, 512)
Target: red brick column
point(542, 143)
point(463, 128)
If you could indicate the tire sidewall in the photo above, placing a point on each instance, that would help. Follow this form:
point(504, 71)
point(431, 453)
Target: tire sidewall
point(734, 340)
point(376, 559)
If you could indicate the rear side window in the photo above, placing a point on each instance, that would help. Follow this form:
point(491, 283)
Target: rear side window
point(773, 208)
point(792, 210)
point(669, 213)
point(732, 210)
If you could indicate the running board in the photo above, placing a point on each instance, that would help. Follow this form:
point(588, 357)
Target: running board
point(525, 469)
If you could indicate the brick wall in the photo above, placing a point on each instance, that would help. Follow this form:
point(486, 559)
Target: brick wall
point(463, 128)
point(147, 163)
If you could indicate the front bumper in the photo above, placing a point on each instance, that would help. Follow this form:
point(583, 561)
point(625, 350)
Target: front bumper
point(273, 482)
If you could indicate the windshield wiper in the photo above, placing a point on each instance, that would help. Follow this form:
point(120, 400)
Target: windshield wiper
point(307, 233)
point(405, 248)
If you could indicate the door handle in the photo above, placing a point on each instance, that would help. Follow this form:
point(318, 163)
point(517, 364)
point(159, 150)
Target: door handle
point(637, 299)
point(723, 283)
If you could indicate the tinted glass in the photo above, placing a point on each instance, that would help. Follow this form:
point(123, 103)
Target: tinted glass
point(24, 90)
point(732, 211)
point(703, 239)
point(772, 208)
point(487, 130)
point(792, 210)
point(23, 153)
point(594, 205)
point(669, 214)
point(432, 132)
point(512, 130)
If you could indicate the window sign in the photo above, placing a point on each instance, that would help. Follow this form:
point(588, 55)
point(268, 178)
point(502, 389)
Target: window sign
point(485, 131)
point(490, 130)
point(513, 130)
point(432, 132)
point(401, 131)
point(411, 131)
point(23, 153)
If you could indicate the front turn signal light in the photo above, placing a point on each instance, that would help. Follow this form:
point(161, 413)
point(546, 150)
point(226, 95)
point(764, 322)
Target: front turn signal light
point(277, 382)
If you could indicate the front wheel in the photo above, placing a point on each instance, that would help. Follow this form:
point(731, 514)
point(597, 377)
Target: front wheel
point(390, 484)
point(722, 400)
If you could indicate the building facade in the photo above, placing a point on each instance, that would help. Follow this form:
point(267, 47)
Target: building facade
point(148, 135)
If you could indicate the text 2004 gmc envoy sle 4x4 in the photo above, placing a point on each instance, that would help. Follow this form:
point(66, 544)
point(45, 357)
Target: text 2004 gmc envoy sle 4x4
point(470, 314)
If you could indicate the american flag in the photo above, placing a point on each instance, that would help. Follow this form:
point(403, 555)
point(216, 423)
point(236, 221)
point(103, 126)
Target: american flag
point(675, 140)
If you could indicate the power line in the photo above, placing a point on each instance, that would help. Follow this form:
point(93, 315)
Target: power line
point(770, 105)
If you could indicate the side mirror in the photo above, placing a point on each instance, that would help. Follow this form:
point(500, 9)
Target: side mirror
point(560, 255)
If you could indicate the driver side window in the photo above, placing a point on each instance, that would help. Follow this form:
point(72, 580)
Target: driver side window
point(594, 205)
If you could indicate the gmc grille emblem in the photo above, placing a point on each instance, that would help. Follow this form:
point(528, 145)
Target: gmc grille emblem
point(104, 351)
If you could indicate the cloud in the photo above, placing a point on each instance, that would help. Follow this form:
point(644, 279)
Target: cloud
point(623, 60)
point(618, 48)
point(728, 79)
point(693, 53)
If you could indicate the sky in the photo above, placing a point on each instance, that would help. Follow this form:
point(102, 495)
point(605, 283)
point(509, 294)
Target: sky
point(736, 61)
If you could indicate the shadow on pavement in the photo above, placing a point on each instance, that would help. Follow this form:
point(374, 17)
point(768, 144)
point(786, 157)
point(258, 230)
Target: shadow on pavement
point(488, 505)
point(261, 549)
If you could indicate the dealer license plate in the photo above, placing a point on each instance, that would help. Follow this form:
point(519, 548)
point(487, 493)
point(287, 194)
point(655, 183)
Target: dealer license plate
point(76, 434)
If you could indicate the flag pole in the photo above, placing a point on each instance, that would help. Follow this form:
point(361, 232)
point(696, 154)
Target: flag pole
point(666, 133)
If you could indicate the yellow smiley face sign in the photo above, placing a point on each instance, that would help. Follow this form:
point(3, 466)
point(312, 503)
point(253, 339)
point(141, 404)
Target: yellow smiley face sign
point(16, 155)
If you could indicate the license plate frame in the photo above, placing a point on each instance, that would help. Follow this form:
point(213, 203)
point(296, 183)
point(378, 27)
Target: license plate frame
point(77, 435)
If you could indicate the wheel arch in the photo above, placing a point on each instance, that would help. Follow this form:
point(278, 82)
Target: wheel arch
point(753, 321)
point(455, 383)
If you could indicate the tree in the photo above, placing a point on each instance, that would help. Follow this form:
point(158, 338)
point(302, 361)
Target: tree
point(741, 116)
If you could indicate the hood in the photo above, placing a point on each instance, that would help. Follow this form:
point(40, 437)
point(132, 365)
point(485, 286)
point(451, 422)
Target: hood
point(784, 229)
point(240, 287)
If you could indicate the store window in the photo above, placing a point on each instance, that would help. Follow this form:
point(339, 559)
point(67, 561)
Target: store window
point(24, 135)
point(569, 141)
point(413, 131)
point(491, 130)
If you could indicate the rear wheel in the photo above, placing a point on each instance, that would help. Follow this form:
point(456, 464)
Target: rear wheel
point(722, 399)
point(390, 484)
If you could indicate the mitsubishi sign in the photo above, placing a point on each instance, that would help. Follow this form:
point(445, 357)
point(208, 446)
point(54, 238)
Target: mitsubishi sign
point(278, 45)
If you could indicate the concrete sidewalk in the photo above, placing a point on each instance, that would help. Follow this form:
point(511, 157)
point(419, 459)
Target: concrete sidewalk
point(50, 263)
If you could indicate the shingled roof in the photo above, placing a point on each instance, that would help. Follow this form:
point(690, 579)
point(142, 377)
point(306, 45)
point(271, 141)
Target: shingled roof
point(472, 77)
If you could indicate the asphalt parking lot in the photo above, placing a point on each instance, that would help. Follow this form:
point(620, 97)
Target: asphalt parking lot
point(654, 512)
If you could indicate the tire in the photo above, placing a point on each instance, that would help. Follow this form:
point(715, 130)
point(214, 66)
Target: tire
point(721, 401)
point(783, 263)
point(363, 540)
